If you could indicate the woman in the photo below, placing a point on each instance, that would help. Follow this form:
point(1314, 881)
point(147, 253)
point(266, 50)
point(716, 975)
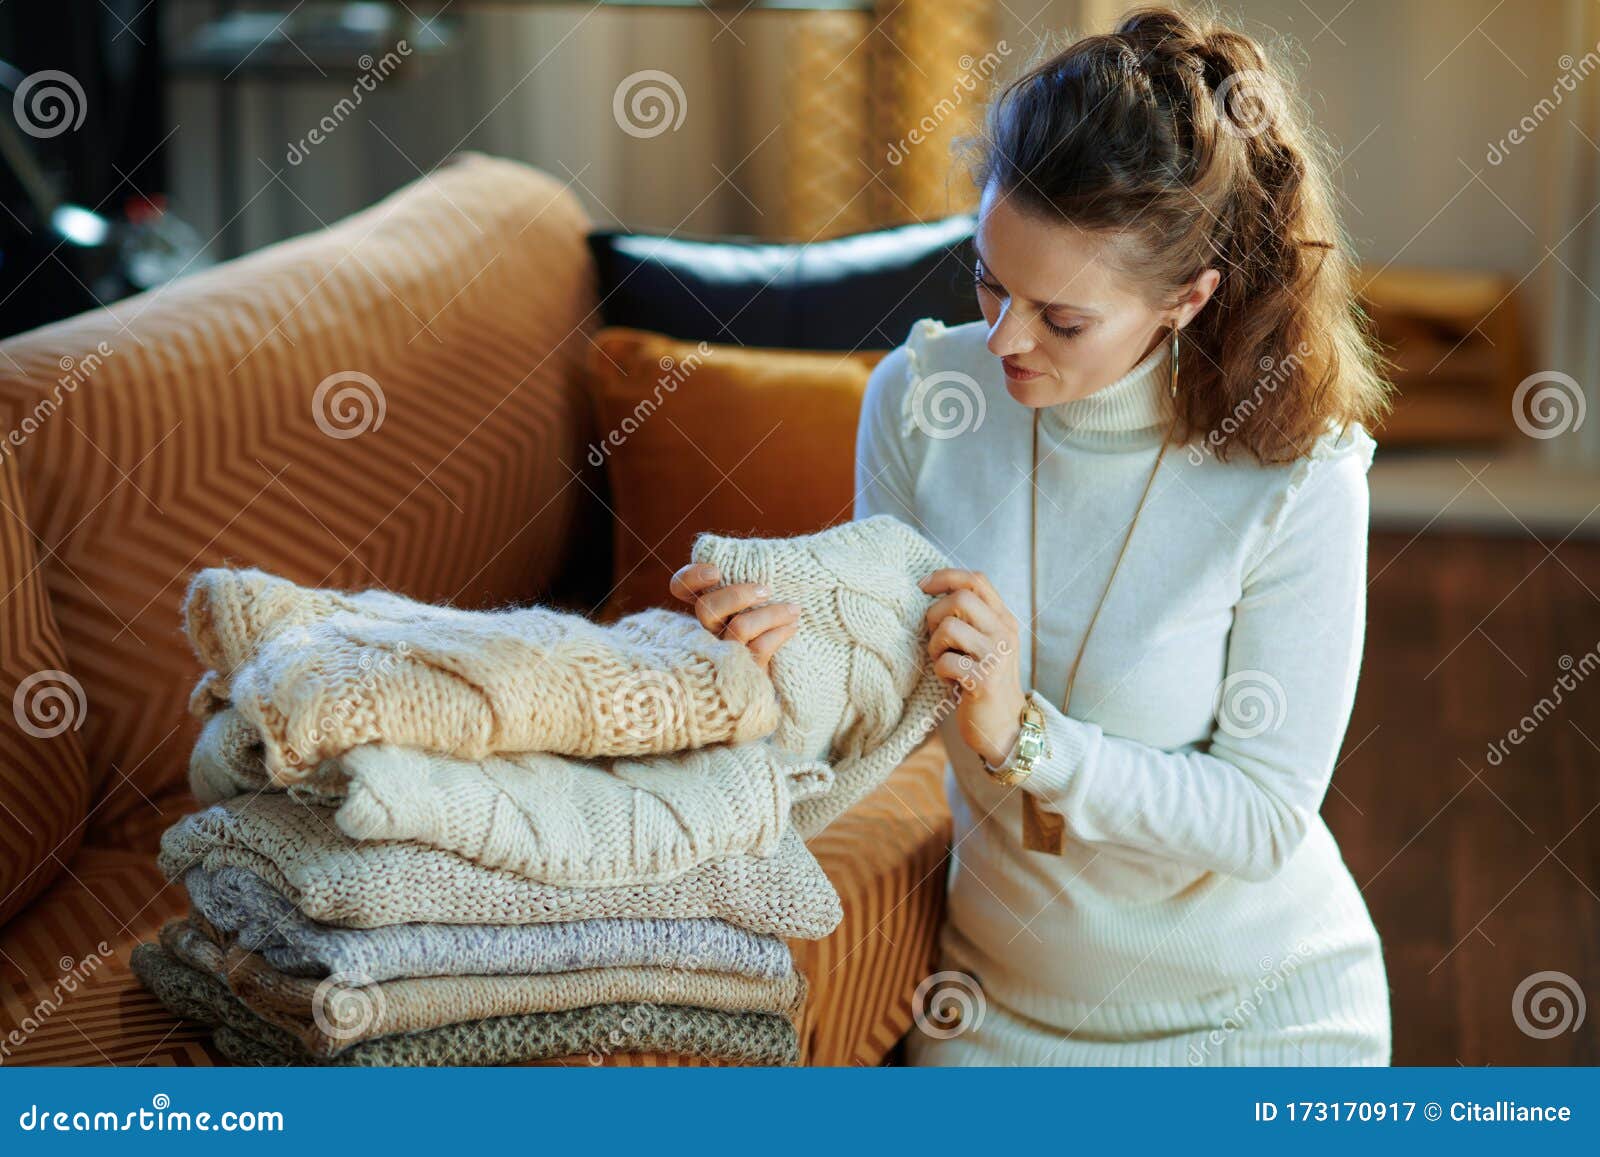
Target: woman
point(1170, 347)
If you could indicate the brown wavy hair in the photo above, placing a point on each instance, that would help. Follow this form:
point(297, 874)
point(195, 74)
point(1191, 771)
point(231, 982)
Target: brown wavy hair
point(1182, 140)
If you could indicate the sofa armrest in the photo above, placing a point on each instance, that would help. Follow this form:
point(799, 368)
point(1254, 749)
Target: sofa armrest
point(394, 401)
point(888, 857)
point(44, 780)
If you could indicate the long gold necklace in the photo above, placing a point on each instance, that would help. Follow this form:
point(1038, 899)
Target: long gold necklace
point(1045, 831)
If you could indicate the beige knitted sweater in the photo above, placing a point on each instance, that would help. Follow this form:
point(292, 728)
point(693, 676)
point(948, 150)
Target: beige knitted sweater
point(298, 849)
point(333, 1013)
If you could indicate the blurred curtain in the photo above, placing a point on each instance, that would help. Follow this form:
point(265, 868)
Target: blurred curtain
point(875, 102)
point(1573, 331)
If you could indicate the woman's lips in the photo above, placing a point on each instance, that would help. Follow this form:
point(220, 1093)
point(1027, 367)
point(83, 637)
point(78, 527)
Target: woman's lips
point(1018, 374)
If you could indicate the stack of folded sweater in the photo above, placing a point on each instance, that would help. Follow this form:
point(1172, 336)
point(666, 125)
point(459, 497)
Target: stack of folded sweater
point(478, 837)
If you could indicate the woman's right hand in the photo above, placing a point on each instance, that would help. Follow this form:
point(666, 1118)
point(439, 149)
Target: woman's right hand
point(739, 611)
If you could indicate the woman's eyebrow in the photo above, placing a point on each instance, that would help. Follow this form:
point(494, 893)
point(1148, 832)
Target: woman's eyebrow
point(1084, 309)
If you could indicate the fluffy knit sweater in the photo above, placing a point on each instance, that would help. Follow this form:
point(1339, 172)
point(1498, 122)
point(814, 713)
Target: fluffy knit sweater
point(335, 1013)
point(595, 1031)
point(300, 852)
point(240, 903)
point(318, 672)
point(1204, 725)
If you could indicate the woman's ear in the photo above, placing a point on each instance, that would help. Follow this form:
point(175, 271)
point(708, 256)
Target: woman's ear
point(1196, 296)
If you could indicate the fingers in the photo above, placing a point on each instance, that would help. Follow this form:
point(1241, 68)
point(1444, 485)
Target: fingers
point(763, 646)
point(750, 625)
point(954, 635)
point(715, 607)
point(691, 581)
point(963, 605)
point(954, 580)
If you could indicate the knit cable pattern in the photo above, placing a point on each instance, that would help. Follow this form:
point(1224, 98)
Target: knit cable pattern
point(853, 684)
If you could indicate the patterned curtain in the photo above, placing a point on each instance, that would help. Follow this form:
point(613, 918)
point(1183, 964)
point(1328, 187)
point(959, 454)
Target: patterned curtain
point(876, 100)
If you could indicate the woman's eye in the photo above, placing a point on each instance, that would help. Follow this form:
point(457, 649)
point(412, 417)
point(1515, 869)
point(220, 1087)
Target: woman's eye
point(1063, 331)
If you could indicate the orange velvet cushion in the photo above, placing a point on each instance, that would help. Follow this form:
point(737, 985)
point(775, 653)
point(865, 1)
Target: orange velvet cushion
point(698, 437)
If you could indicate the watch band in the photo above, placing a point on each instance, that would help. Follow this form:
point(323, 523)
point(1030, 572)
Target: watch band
point(1032, 744)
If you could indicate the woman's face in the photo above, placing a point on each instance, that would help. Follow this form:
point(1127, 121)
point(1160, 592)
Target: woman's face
point(1062, 317)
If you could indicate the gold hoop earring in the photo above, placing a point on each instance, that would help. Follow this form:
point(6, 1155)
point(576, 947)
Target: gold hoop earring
point(1174, 378)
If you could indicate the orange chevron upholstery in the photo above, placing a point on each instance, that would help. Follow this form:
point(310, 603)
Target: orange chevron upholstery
point(44, 781)
point(200, 437)
point(394, 401)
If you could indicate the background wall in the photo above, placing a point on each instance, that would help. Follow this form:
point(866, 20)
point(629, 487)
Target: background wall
point(1413, 95)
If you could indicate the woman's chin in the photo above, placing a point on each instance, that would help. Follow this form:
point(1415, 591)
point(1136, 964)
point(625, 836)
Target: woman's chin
point(1036, 393)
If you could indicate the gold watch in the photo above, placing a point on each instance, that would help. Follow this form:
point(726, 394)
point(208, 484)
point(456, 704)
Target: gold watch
point(1031, 745)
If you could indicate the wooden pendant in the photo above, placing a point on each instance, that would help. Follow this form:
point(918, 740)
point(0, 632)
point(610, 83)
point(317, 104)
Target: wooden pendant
point(1042, 831)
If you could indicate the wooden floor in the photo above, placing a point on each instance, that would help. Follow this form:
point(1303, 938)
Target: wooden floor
point(1479, 876)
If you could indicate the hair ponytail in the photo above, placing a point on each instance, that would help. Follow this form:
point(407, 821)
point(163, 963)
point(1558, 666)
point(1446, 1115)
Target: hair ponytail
point(1182, 140)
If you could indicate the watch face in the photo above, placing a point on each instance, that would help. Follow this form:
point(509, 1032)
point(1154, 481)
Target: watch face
point(1030, 746)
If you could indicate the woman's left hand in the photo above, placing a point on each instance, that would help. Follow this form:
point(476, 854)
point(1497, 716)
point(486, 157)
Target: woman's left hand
point(973, 643)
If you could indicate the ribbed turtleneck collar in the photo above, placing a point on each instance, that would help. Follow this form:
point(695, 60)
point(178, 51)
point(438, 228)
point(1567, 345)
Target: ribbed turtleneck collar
point(1135, 403)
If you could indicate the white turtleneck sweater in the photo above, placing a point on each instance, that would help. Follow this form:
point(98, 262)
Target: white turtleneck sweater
point(1204, 727)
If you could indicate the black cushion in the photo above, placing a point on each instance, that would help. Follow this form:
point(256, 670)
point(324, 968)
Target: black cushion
point(857, 292)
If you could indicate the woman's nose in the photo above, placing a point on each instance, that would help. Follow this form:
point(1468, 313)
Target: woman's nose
point(1009, 334)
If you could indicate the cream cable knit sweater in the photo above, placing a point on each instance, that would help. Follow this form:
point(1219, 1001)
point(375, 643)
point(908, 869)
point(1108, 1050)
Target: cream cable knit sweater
point(1204, 727)
point(853, 684)
point(547, 817)
point(299, 851)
